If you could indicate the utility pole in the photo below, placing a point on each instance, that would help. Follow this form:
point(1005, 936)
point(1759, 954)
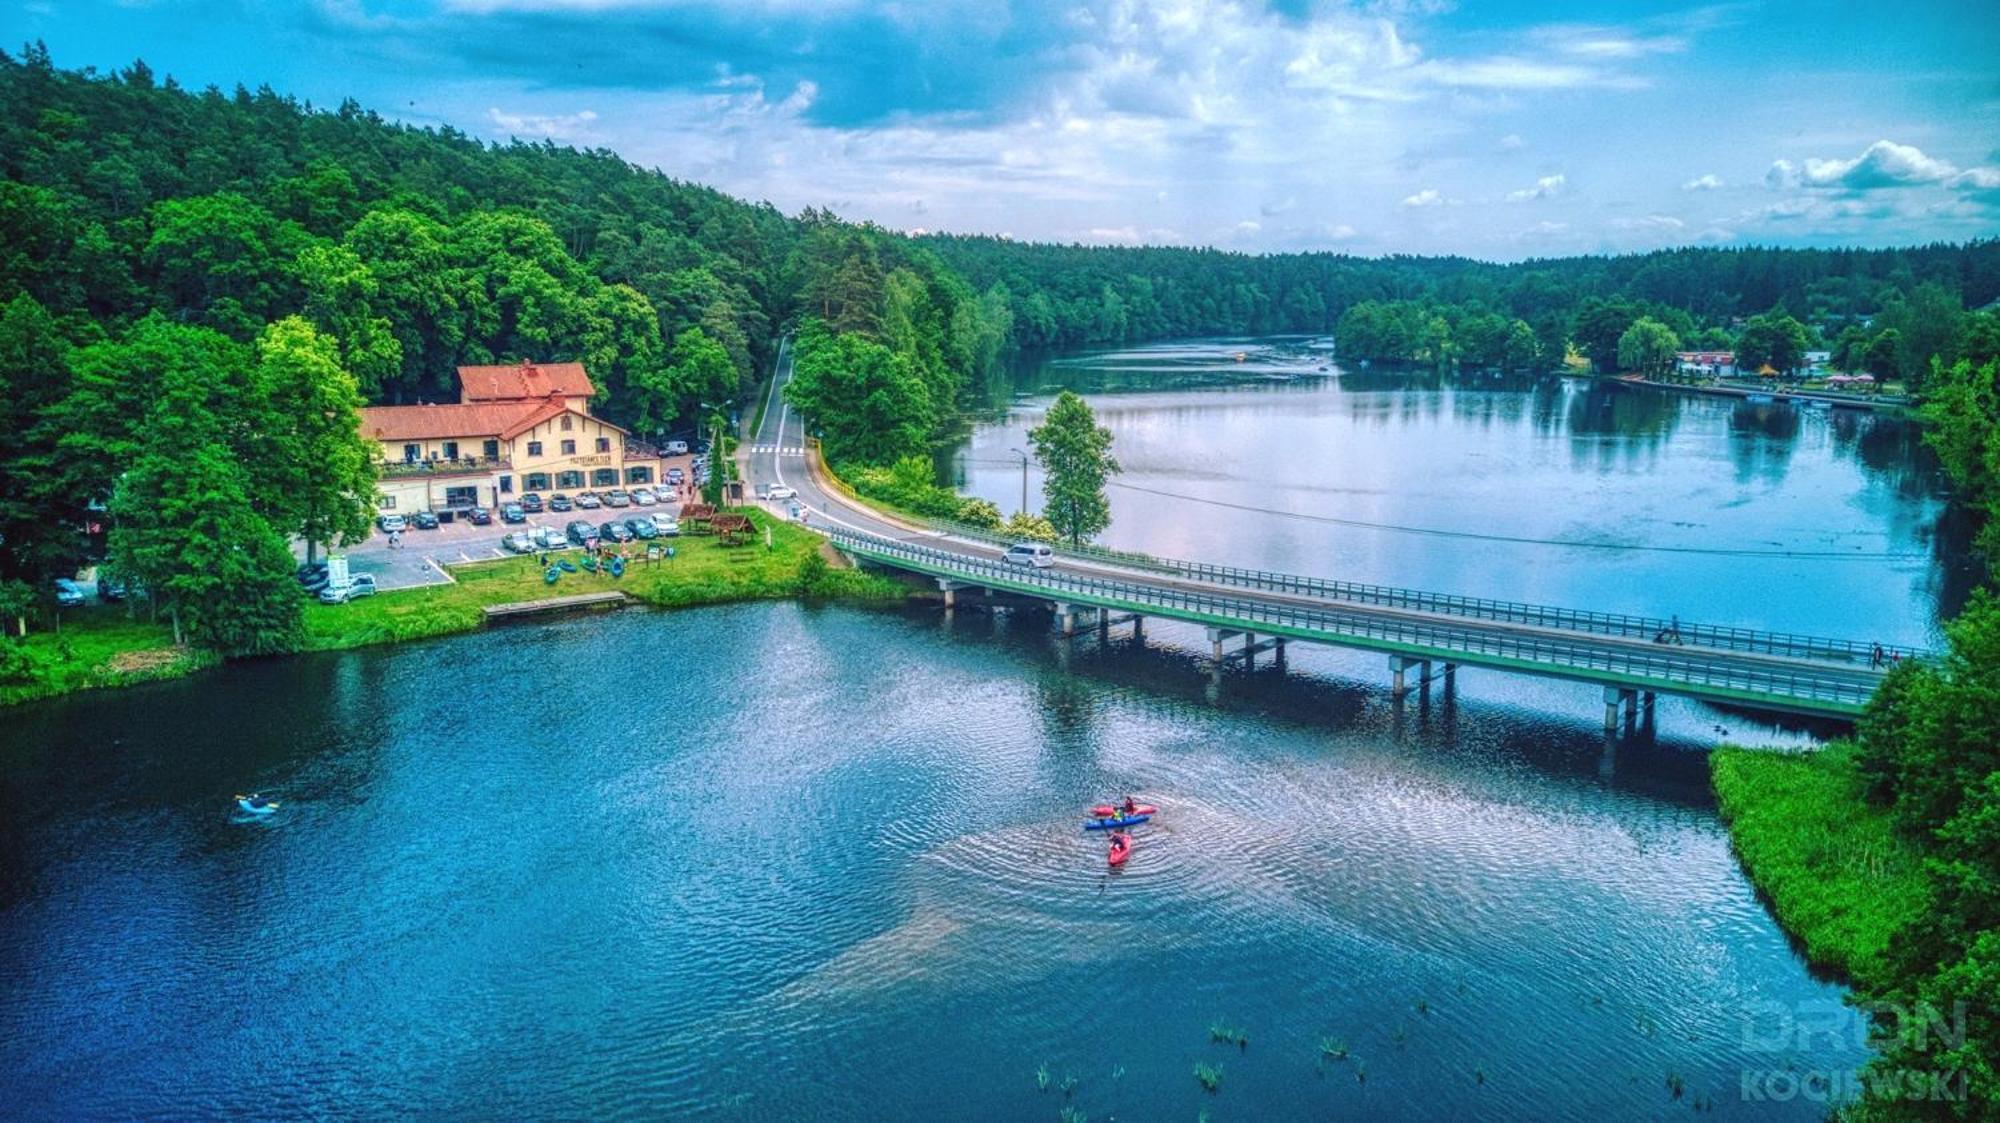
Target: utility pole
point(1024, 478)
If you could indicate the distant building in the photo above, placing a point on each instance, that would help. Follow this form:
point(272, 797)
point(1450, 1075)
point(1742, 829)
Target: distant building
point(1715, 364)
point(1818, 360)
point(514, 429)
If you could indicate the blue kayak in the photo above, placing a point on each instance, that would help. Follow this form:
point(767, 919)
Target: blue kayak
point(256, 805)
point(1114, 824)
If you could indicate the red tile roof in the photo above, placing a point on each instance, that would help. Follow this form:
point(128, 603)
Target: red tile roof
point(524, 382)
point(504, 420)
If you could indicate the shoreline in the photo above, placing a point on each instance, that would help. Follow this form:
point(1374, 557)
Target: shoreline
point(108, 650)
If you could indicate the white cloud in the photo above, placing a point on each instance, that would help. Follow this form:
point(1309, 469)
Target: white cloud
point(1608, 43)
point(1512, 142)
point(1545, 187)
point(1655, 223)
point(1982, 184)
point(565, 126)
point(1882, 164)
point(1428, 197)
point(1708, 182)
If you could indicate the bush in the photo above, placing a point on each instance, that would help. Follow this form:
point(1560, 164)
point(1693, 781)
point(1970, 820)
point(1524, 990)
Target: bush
point(907, 486)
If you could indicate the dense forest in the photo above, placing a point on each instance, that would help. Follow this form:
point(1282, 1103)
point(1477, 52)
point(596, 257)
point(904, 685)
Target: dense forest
point(244, 234)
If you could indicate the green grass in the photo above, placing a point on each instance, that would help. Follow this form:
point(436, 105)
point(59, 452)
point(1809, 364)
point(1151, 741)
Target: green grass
point(98, 646)
point(1839, 878)
point(703, 571)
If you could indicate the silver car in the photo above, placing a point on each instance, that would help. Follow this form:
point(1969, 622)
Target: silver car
point(549, 538)
point(518, 542)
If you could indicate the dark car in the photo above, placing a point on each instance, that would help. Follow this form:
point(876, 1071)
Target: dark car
point(512, 513)
point(580, 532)
point(479, 516)
point(424, 520)
point(616, 531)
point(560, 503)
point(643, 527)
point(531, 502)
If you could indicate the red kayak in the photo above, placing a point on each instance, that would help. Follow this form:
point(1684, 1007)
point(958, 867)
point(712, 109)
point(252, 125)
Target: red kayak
point(1106, 810)
point(1121, 849)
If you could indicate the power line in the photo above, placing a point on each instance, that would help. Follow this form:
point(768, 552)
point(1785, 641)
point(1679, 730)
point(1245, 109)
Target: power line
point(1567, 543)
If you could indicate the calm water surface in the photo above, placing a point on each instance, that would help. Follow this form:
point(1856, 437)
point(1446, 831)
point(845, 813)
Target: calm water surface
point(768, 861)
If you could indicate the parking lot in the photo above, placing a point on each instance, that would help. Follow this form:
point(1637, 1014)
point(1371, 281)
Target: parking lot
point(423, 553)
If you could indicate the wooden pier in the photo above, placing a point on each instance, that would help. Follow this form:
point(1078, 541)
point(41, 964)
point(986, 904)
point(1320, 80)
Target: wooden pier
point(554, 604)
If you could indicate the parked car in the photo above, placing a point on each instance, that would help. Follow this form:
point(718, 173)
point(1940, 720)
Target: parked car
point(615, 530)
point(668, 528)
point(642, 527)
point(644, 496)
point(360, 585)
point(479, 516)
point(519, 542)
point(676, 477)
point(617, 497)
point(313, 583)
point(581, 531)
point(549, 538)
point(392, 524)
point(677, 448)
point(69, 594)
point(1037, 554)
point(110, 590)
point(531, 502)
point(780, 492)
point(588, 501)
point(424, 520)
point(305, 572)
point(511, 513)
point(560, 503)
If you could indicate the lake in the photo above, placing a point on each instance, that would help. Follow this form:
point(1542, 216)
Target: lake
point(770, 861)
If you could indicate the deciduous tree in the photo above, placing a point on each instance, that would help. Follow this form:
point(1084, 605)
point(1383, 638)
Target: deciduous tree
point(1075, 454)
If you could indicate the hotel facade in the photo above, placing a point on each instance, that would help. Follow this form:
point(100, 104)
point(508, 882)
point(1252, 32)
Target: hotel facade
point(514, 429)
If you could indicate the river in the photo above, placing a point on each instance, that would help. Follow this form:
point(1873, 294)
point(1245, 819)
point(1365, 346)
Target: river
point(769, 861)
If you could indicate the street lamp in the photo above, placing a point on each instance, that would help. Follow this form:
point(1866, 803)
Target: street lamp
point(1024, 478)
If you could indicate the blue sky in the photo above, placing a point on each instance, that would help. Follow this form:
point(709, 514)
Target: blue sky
point(1497, 130)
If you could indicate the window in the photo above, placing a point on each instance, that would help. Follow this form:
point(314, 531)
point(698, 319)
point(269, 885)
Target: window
point(604, 444)
point(412, 453)
point(467, 496)
point(569, 448)
point(566, 423)
point(491, 450)
point(451, 450)
point(604, 477)
point(385, 502)
point(536, 481)
point(534, 448)
point(569, 479)
point(506, 485)
point(638, 475)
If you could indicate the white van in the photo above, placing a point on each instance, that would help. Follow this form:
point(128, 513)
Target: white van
point(677, 448)
point(1037, 554)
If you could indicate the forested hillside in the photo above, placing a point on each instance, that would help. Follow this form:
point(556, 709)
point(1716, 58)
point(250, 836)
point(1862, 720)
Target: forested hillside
point(273, 250)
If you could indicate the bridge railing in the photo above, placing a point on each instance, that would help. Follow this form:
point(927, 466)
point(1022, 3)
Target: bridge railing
point(1653, 628)
point(1668, 667)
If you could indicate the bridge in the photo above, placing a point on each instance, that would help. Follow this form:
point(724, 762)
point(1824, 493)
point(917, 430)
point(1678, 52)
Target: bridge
point(1247, 612)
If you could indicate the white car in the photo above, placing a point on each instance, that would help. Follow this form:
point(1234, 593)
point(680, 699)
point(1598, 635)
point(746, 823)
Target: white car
point(360, 585)
point(780, 491)
point(518, 543)
point(667, 527)
point(1037, 554)
point(548, 538)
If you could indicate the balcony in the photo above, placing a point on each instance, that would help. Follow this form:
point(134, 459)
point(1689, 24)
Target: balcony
point(441, 468)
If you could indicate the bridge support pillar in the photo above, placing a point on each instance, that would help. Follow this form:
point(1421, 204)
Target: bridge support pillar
point(1216, 638)
point(1278, 653)
point(1138, 630)
point(950, 590)
point(1400, 663)
point(1646, 709)
point(1618, 698)
point(1066, 618)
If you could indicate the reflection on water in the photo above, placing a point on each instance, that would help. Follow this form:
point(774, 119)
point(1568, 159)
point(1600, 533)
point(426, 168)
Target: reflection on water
point(1774, 515)
point(861, 882)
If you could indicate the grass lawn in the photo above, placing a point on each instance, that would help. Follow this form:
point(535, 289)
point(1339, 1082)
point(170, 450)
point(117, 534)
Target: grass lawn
point(703, 571)
point(98, 646)
point(1839, 878)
